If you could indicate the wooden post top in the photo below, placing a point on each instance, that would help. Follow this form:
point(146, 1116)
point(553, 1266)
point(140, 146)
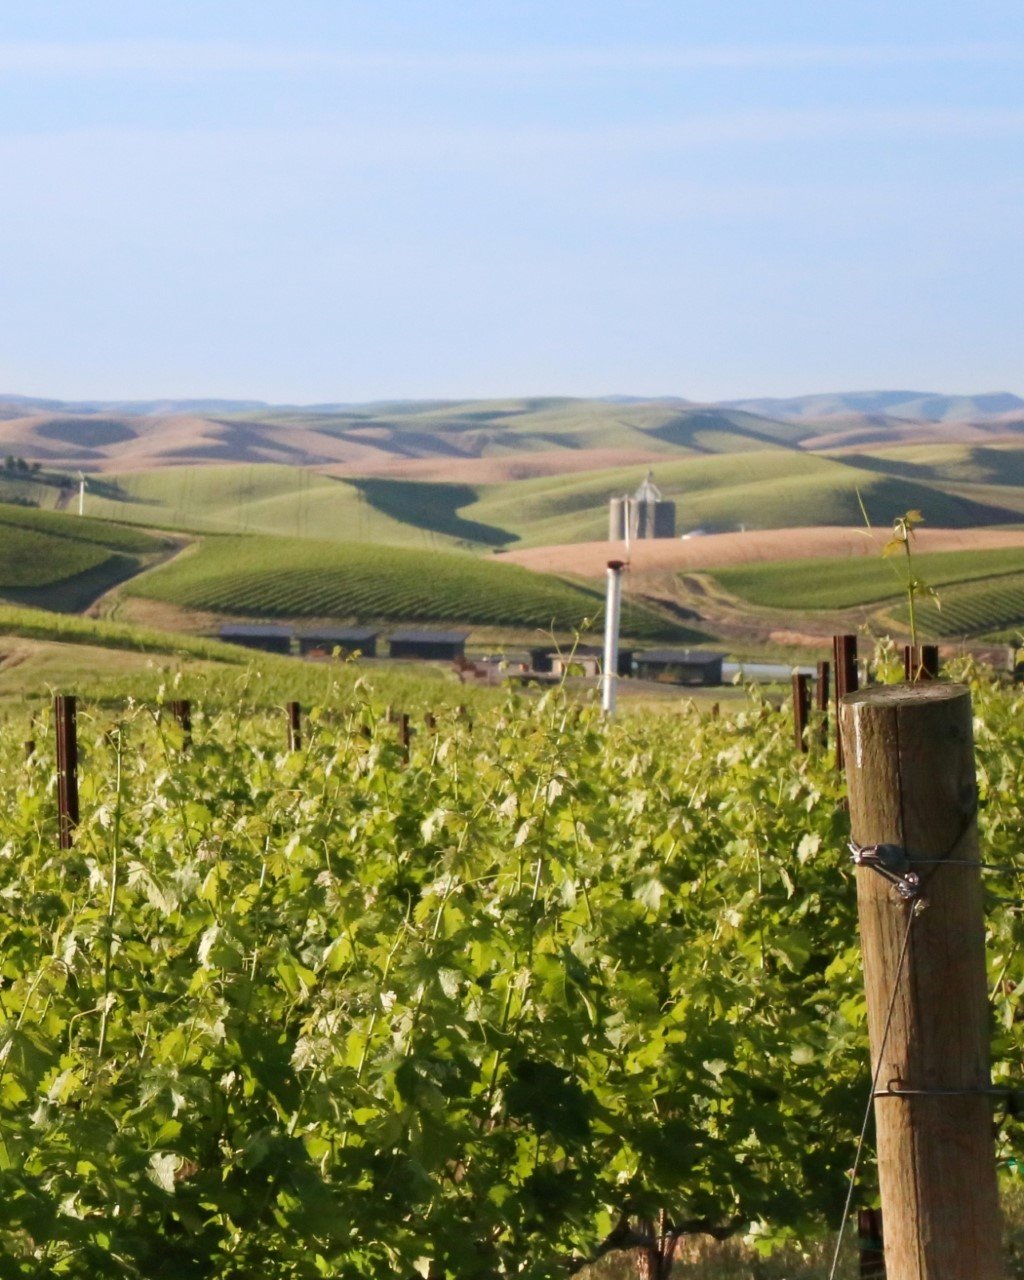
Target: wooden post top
point(906, 695)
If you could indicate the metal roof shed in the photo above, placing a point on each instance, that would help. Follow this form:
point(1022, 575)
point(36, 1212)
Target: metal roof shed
point(258, 636)
point(325, 640)
point(680, 666)
point(441, 646)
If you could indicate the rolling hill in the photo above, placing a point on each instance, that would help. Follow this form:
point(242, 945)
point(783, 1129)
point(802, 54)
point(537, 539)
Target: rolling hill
point(63, 562)
point(383, 439)
point(302, 578)
point(772, 487)
point(368, 439)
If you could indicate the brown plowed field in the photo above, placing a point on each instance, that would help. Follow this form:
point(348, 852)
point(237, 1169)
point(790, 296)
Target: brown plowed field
point(718, 550)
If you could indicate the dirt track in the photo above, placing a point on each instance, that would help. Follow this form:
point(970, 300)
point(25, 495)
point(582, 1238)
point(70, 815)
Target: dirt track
point(719, 550)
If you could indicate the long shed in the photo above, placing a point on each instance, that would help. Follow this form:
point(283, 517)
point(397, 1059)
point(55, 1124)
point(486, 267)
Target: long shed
point(263, 636)
point(440, 646)
point(680, 666)
point(314, 641)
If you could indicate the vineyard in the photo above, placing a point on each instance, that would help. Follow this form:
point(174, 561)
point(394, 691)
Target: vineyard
point(994, 606)
point(51, 558)
point(861, 580)
point(294, 578)
point(465, 1004)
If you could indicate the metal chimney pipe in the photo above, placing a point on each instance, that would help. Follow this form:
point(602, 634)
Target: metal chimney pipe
point(612, 609)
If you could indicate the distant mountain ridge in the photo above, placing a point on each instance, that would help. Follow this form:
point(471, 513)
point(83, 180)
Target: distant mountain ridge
point(482, 441)
point(915, 406)
point(919, 406)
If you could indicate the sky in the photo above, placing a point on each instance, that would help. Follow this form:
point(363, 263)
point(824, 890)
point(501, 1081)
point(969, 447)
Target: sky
point(325, 200)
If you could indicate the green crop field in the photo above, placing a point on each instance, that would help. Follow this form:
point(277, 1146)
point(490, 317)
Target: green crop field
point(860, 580)
point(63, 561)
point(298, 503)
point(291, 578)
point(993, 607)
point(75, 529)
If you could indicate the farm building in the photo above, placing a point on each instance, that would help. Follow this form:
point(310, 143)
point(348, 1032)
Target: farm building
point(322, 641)
point(680, 666)
point(574, 663)
point(546, 659)
point(645, 515)
point(439, 646)
point(257, 636)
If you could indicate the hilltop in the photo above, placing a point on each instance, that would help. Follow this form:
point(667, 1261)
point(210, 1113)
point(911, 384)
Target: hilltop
point(482, 440)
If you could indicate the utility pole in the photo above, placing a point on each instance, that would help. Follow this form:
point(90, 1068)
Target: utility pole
point(913, 799)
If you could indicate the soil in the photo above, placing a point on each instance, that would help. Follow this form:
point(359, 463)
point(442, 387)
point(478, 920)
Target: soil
point(720, 550)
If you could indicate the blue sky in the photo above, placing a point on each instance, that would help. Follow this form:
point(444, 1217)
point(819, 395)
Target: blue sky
point(325, 200)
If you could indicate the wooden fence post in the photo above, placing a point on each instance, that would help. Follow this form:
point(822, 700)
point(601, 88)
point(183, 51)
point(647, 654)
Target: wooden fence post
point(66, 722)
point(921, 662)
point(294, 727)
point(181, 709)
point(844, 654)
point(869, 1245)
point(404, 735)
point(913, 798)
point(930, 660)
point(801, 709)
point(821, 698)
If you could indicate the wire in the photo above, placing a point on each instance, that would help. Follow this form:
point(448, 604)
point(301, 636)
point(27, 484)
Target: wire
point(911, 916)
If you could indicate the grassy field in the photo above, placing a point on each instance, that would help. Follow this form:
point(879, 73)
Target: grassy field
point(62, 561)
point(290, 501)
point(767, 486)
point(41, 624)
point(293, 578)
point(958, 464)
point(764, 489)
point(41, 652)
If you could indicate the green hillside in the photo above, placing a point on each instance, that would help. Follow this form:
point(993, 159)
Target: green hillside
point(980, 593)
point(770, 486)
point(951, 464)
point(297, 503)
point(766, 489)
point(292, 578)
point(862, 580)
point(63, 562)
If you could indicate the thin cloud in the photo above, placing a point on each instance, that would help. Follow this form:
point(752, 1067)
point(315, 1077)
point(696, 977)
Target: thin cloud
point(181, 57)
point(377, 146)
